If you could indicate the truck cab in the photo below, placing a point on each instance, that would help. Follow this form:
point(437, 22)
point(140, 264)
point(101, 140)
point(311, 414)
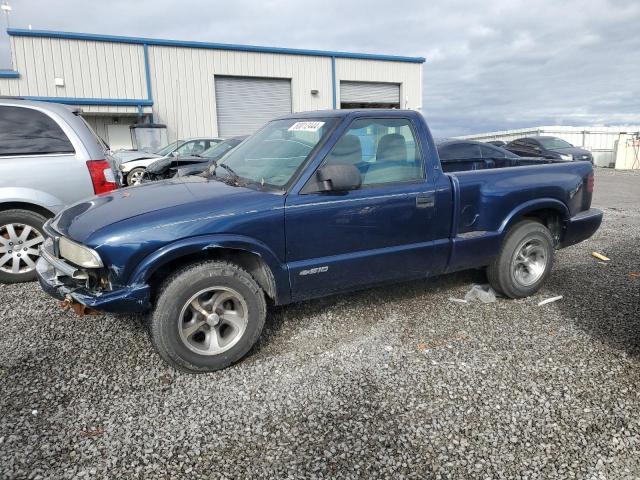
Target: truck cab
point(312, 204)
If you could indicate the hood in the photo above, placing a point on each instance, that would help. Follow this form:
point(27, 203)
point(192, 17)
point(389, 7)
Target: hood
point(159, 166)
point(129, 156)
point(151, 204)
point(162, 165)
point(193, 169)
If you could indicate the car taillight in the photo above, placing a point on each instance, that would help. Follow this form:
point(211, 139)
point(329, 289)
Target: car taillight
point(101, 176)
point(590, 182)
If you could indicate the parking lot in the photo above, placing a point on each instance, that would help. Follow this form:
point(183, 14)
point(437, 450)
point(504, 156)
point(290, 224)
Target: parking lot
point(391, 381)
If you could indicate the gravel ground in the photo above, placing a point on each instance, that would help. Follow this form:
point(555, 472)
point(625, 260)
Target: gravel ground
point(392, 382)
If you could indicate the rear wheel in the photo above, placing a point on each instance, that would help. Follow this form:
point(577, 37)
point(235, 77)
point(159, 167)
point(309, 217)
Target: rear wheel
point(20, 239)
point(134, 177)
point(207, 316)
point(525, 260)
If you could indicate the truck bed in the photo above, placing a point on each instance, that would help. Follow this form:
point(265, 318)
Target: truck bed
point(485, 200)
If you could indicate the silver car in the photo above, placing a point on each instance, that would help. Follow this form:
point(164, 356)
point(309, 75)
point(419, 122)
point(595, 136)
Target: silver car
point(49, 158)
point(133, 168)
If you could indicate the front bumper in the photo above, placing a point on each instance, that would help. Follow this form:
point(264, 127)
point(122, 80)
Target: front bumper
point(581, 226)
point(59, 284)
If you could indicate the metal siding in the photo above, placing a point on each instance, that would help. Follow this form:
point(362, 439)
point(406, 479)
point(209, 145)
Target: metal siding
point(85, 66)
point(307, 73)
point(369, 92)
point(245, 104)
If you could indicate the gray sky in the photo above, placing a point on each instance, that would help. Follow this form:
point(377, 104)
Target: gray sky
point(491, 65)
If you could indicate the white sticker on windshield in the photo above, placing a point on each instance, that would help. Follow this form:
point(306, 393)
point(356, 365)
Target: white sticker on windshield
point(306, 126)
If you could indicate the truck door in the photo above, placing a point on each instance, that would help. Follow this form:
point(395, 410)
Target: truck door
point(380, 232)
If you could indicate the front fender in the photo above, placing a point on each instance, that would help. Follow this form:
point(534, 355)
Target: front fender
point(144, 163)
point(189, 246)
point(531, 206)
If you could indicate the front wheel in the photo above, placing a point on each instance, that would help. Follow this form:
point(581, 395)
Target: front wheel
point(134, 177)
point(207, 316)
point(525, 260)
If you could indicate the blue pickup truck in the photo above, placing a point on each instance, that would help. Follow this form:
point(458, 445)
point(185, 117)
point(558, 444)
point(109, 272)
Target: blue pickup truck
point(300, 210)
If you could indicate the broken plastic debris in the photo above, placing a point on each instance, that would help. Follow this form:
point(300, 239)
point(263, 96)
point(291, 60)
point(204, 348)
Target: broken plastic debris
point(484, 293)
point(34, 412)
point(457, 300)
point(599, 256)
point(550, 300)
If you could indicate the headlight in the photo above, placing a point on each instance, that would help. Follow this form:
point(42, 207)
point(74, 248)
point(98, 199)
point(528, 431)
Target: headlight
point(79, 254)
point(567, 156)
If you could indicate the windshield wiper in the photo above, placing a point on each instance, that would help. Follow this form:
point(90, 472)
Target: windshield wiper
point(234, 177)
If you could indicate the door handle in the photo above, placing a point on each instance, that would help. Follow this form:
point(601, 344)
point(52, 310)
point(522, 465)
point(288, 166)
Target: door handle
point(426, 200)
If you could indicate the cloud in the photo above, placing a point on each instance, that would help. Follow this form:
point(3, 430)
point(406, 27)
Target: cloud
point(491, 65)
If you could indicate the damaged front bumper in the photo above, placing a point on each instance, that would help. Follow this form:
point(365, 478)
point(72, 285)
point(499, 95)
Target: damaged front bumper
point(63, 281)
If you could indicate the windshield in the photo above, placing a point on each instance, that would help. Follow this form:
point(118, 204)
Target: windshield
point(554, 143)
point(274, 154)
point(218, 150)
point(167, 149)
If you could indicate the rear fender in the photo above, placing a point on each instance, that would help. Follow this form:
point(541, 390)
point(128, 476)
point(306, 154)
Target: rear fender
point(190, 246)
point(30, 196)
point(531, 206)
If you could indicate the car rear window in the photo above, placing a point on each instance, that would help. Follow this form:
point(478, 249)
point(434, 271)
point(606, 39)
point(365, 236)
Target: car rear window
point(459, 151)
point(25, 131)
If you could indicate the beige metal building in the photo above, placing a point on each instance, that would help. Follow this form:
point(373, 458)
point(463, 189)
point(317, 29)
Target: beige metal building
point(196, 88)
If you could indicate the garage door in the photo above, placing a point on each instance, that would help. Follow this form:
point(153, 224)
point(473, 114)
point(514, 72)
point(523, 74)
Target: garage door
point(245, 104)
point(369, 95)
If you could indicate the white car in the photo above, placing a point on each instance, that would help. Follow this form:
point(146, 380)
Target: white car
point(133, 169)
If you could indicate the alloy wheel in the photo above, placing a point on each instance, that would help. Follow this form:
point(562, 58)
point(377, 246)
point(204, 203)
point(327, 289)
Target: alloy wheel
point(213, 320)
point(529, 262)
point(19, 247)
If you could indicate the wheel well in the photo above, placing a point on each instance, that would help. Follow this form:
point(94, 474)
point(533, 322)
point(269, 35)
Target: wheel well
point(249, 261)
point(550, 218)
point(26, 206)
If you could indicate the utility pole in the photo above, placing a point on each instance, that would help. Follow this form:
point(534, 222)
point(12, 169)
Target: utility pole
point(6, 8)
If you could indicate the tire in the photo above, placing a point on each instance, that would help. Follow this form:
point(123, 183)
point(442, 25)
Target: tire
point(22, 229)
point(193, 343)
point(525, 260)
point(134, 177)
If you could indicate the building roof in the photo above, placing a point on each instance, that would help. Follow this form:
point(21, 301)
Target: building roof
point(19, 32)
point(343, 112)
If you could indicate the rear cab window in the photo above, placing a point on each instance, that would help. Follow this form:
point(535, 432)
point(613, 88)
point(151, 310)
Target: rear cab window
point(25, 131)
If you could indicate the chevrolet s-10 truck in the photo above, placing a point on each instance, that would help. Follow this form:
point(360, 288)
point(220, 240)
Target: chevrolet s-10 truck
point(313, 204)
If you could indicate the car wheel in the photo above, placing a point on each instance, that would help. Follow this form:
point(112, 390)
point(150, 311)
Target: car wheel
point(525, 260)
point(134, 177)
point(20, 239)
point(207, 316)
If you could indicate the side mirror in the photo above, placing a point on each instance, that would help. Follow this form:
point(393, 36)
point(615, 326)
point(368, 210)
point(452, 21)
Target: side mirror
point(338, 177)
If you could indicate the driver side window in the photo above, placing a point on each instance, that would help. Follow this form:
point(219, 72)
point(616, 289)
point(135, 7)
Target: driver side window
point(383, 150)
